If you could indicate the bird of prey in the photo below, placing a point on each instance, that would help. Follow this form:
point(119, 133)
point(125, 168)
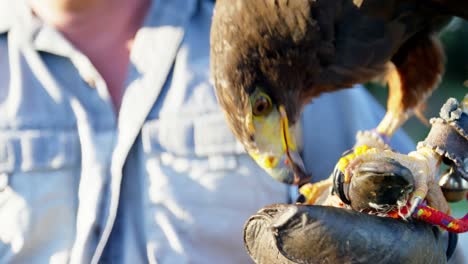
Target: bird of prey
point(270, 58)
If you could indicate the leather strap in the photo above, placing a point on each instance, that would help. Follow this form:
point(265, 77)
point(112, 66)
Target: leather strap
point(448, 137)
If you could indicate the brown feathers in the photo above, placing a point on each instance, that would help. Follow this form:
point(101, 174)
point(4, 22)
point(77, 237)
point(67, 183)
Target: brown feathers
point(296, 50)
point(419, 65)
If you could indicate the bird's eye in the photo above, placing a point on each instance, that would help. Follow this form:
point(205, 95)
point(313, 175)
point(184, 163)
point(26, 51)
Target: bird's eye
point(262, 105)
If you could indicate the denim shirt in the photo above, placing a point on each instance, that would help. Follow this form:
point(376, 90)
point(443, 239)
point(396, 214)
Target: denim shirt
point(164, 181)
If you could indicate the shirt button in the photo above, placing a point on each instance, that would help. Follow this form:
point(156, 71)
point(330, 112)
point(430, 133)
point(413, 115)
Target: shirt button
point(3, 181)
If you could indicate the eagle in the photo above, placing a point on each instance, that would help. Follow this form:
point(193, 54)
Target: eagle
point(269, 58)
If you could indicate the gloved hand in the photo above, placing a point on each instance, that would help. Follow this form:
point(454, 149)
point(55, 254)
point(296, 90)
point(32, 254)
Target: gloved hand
point(288, 233)
point(283, 233)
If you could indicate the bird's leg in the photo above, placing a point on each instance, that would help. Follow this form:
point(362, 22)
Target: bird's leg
point(423, 164)
point(391, 123)
point(412, 75)
point(415, 71)
point(397, 113)
point(447, 141)
point(426, 186)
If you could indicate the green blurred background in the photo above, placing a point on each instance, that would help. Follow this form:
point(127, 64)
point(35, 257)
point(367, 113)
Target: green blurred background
point(454, 84)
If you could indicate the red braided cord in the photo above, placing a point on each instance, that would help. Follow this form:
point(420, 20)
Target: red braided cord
point(447, 222)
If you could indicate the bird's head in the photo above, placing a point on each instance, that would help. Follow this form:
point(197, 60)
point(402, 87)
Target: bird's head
point(267, 124)
point(263, 60)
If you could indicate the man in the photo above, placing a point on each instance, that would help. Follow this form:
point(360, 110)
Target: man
point(113, 147)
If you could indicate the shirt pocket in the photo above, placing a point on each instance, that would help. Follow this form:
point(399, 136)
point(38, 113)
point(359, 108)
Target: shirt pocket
point(39, 172)
point(206, 140)
point(201, 155)
point(201, 183)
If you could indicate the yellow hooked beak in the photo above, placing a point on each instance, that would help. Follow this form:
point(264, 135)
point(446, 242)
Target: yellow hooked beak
point(294, 160)
point(281, 160)
point(287, 143)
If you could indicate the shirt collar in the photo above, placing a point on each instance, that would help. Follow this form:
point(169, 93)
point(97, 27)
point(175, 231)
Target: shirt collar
point(45, 38)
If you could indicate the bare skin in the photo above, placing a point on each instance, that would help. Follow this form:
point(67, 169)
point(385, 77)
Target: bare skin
point(103, 30)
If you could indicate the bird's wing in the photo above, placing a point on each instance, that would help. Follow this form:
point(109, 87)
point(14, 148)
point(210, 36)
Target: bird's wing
point(367, 35)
